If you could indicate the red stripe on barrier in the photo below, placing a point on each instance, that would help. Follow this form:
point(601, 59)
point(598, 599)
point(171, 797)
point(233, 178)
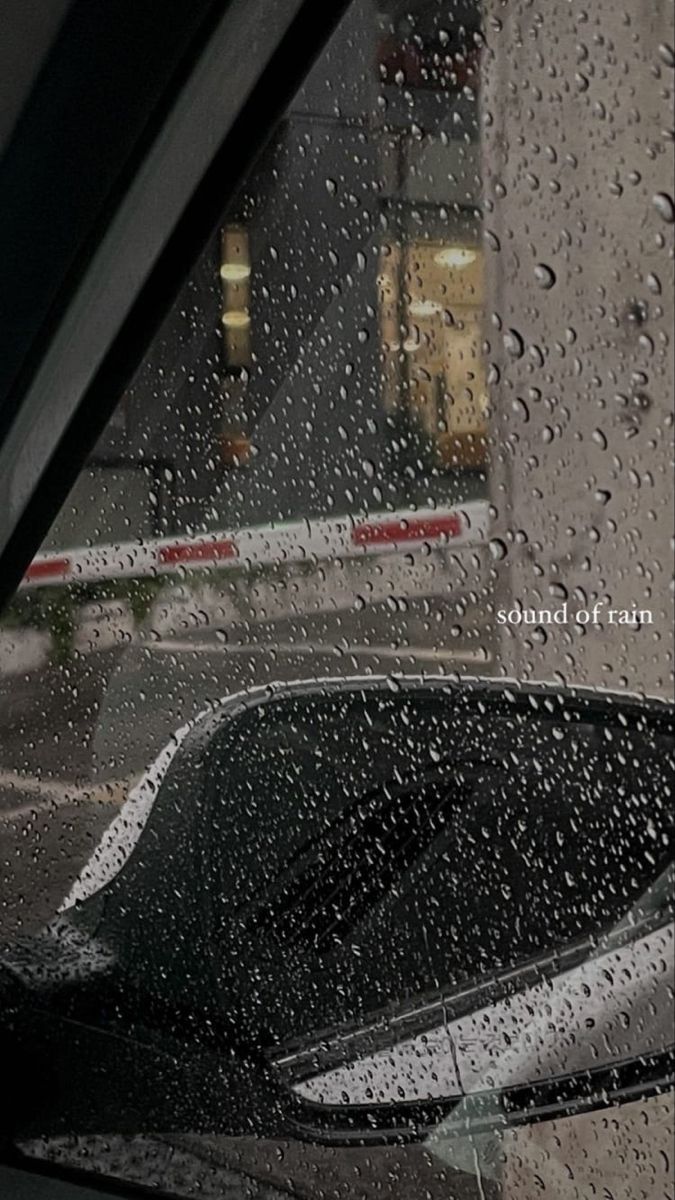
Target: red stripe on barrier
point(408, 529)
point(48, 568)
point(202, 552)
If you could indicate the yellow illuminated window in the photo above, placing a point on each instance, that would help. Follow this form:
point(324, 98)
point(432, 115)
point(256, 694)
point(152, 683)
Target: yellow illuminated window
point(431, 314)
point(235, 275)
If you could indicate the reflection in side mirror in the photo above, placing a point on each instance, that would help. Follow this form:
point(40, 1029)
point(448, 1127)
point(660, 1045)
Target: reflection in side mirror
point(307, 855)
point(579, 1033)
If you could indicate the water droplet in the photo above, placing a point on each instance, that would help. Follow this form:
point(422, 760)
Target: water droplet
point(497, 548)
point(544, 276)
point(667, 54)
point(514, 344)
point(646, 343)
point(654, 284)
point(663, 203)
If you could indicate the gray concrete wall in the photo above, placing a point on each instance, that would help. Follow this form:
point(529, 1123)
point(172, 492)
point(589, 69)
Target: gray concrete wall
point(576, 109)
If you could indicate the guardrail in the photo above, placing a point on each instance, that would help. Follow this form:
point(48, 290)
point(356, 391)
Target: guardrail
point(302, 541)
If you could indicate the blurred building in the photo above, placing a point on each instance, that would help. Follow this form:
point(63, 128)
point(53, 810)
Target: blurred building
point(326, 353)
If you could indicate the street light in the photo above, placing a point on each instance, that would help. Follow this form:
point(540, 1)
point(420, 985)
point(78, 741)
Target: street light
point(455, 257)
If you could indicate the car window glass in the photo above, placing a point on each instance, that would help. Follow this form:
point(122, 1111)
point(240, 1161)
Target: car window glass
point(335, 708)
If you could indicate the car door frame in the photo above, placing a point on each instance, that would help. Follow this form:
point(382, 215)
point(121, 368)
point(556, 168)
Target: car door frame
point(214, 120)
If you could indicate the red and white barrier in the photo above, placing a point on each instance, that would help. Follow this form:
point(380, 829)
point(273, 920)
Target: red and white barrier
point(301, 541)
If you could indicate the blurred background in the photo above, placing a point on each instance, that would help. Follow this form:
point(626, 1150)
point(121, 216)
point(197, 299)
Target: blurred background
point(421, 372)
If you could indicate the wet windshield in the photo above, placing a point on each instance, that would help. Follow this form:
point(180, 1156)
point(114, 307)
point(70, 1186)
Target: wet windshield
point(336, 757)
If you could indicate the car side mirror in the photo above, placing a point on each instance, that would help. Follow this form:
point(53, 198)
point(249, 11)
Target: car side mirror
point(373, 907)
point(564, 1035)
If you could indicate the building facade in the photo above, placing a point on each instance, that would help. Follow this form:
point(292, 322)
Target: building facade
point(326, 354)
